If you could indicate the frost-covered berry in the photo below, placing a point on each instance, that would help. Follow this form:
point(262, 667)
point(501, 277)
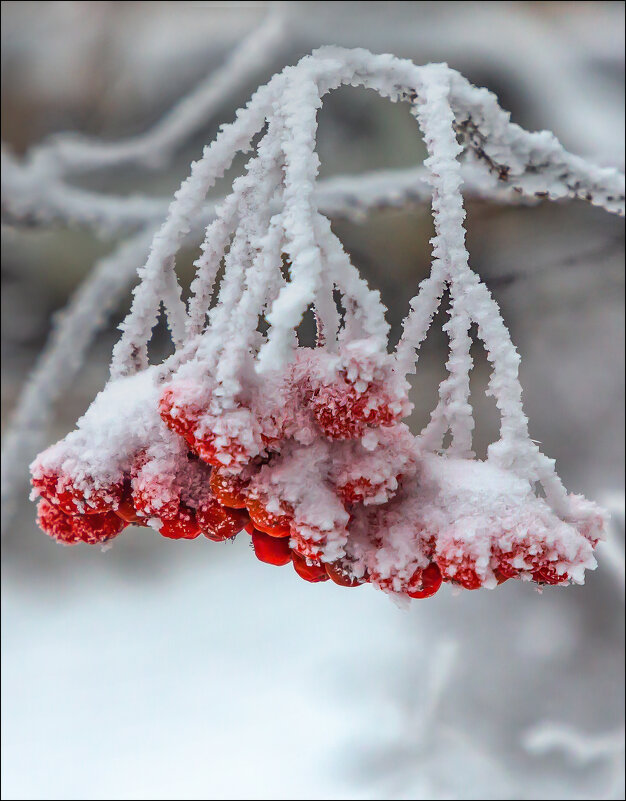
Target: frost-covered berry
point(306, 545)
point(155, 495)
point(332, 407)
point(425, 584)
point(342, 412)
point(362, 489)
point(459, 571)
point(353, 390)
point(339, 572)
point(93, 529)
point(230, 437)
point(219, 523)
point(518, 560)
point(182, 527)
point(309, 571)
point(228, 489)
point(276, 525)
point(548, 574)
point(180, 418)
point(182, 415)
point(355, 491)
point(72, 499)
point(503, 567)
point(272, 550)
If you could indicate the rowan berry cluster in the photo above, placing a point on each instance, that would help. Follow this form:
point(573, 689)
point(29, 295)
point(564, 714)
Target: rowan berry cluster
point(305, 448)
point(316, 466)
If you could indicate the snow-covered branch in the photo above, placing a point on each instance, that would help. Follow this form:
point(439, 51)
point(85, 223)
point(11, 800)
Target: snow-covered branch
point(532, 163)
point(579, 747)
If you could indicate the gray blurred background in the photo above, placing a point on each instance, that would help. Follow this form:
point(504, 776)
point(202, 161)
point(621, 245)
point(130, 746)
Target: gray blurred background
point(167, 669)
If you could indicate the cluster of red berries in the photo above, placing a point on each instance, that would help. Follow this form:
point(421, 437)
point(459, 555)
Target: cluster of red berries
point(212, 491)
point(218, 470)
point(462, 570)
point(396, 543)
point(100, 515)
point(225, 510)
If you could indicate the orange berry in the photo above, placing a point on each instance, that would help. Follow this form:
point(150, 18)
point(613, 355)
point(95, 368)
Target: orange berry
point(274, 525)
point(128, 513)
point(229, 490)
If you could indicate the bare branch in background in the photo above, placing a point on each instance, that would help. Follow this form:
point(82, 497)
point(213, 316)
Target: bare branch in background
point(66, 154)
point(27, 201)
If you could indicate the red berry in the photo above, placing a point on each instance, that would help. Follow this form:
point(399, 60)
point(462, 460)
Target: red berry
point(93, 529)
point(459, 572)
point(61, 491)
point(219, 523)
point(229, 490)
point(501, 577)
point(128, 513)
point(306, 546)
point(272, 550)
point(547, 574)
point(269, 523)
point(343, 412)
point(183, 527)
point(180, 419)
point(426, 583)
point(356, 490)
point(309, 572)
point(155, 498)
point(337, 572)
